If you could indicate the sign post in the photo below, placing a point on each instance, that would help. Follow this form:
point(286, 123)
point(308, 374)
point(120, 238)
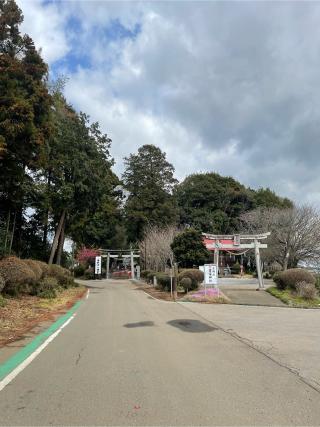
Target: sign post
point(97, 269)
point(210, 276)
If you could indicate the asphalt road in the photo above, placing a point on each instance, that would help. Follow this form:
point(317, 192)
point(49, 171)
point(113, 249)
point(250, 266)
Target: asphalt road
point(127, 359)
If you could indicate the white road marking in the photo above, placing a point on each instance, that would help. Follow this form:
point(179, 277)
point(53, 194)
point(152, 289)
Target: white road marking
point(87, 296)
point(32, 356)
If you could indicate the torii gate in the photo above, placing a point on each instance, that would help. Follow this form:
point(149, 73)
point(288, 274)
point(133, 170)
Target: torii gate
point(217, 242)
point(120, 253)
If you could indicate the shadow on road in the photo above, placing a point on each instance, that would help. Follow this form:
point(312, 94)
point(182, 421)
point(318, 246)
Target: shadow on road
point(139, 324)
point(190, 325)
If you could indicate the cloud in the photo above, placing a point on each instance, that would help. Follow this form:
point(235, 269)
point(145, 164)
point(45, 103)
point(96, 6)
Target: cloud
point(220, 86)
point(46, 23)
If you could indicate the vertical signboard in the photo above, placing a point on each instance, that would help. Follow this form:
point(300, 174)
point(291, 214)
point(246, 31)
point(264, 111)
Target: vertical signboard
point(210, 275)
point(97, 269)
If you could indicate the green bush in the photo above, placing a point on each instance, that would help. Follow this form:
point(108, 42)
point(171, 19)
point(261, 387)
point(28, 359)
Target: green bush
point(79, 270)
point(196, 276)
point(236, 268)
point(186, 283)
point(47, 286)
point(163, 280)
point(288, 279)
point(17, 275)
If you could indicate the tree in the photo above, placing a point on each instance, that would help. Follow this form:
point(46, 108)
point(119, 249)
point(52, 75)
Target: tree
point(77, 186)
point(189, 249)
point(149, 181)
point(24, 119)
point(212, 203)
point(295, 233)
point(264, 197)
point(155, 247)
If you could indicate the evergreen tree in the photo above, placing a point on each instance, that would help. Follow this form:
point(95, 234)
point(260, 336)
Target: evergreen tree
point(24, 125)
point(149, 181)
point(189, 249)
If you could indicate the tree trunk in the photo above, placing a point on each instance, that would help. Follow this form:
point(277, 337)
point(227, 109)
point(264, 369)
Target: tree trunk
point(61, 243)
point(46, 216)
point(13, 231)
point(56, 237)
point(7, 232)
point(286, 260)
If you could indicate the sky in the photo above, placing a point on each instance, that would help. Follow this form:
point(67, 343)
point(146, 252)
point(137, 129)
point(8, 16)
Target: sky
point(227, 87)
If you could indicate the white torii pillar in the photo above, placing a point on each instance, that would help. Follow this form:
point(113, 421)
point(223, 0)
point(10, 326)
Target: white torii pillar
point(132, 265)
point(258, 263)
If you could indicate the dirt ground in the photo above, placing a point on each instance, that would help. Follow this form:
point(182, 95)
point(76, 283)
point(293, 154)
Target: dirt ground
point(20, 315)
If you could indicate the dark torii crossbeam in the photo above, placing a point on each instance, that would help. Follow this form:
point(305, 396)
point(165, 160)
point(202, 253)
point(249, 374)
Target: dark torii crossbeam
point(237, 243)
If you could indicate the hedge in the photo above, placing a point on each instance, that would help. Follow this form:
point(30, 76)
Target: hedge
point(18, 276)
point(163, 280)
point(289, 279)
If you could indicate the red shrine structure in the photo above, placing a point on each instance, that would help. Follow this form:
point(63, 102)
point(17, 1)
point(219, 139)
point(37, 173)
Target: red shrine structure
point(236, 244)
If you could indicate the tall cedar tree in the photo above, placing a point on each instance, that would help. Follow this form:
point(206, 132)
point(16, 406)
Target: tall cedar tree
point(149, 180)
point(24, 125)
point(79, 188)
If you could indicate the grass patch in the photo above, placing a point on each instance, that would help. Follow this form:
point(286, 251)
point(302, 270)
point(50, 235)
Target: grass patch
point(293, 300)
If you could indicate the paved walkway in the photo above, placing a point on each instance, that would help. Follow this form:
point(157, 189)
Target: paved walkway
point(127, 359)
point(244, 291)
point(290, 336)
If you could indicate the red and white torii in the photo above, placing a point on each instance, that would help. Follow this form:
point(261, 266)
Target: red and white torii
point(237, 243)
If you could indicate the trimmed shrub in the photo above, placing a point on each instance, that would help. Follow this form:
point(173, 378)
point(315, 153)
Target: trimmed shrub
point(196, 276)
point(186, 283)
point(62, 275)
point(2, 283)
point(163, 280)
point(79, 270)
point(89, 274)
point(306, 290)
point(144, 274)
point(44, 267)
point(46, 288)
point(236, 268)
point(290, 278)
point(150, 275)
point(17, 274)
point(35, 267)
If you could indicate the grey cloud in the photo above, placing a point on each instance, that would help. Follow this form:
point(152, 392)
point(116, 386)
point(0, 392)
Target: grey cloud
point(202, 74)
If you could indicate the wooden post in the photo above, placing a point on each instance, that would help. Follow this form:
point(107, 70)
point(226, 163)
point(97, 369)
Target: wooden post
point(258, 263)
